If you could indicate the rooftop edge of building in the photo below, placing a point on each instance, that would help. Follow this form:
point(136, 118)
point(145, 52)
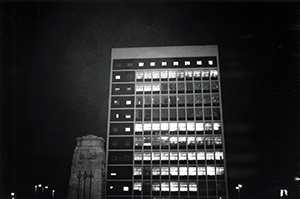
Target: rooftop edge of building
point(164, 52)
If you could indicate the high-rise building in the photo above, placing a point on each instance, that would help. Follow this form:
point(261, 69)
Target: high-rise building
point(165, 130)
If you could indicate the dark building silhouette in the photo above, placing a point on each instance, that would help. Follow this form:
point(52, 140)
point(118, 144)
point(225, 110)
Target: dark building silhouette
point(165, 129)
point(87, 171)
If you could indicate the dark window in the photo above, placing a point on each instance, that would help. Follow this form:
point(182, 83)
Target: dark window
point(189, 87)
point(181, 114)
point(181, 87)
point(173, 114)
point(164, 88)
point(206, 87)
point(155, 115)
point(190, 114)
point(147, 115)
point(172, 87)
point(164, 114)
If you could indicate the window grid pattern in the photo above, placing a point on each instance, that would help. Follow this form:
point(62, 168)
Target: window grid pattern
point(177, 143)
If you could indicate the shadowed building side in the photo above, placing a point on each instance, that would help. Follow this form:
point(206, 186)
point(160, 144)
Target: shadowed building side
point(87, 170)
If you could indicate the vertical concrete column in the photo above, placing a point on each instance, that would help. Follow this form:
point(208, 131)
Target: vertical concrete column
point(87, 170)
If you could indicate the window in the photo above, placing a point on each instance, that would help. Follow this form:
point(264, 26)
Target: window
point(127, 129)
point(127, 116)
point(156, 87)
point(138, 141)
point(163, 63)
point(219, 155)
point(174, 171)
point(181, 126)
point(191, 155)
point(210, 171)
point(148, 101)
point(128, 102)
point(116, 102)
point(189, 100)
point(188, 74)
point(207, 113)
point(218, 140)
point(182, 156)
point(139, 88)
point(206, 100)
point(155, 186)
point(155, 75)
point(138, 128)
point(174, 186)
point(181, 87)
point(183, 186)
point(156, 171)
point(192, 171)
point(189, 87)
point(181, 115)
point(172, 88)
point(137, 186)
point(155, 156)
point(219, 170)
point(164, 170)
point(164, 156)
point(173, 115)
point(210, 62)
point(139, 75)
point(175, 63)
point(214, 86)
point(214, 74)
point(118, 77)
point(193, 186)
point(180, 74)
point(181, 100)
point(164, 74)
point(141, 64)
point(152, 63)
point(147, 156)
point(117, 116)
point(138, 156)
point(199, 62)
point(209, 156)
point(113, 174)
point(173, 126)
point(200, 156)
point(172, 74)
point(164, 186)
point(137, 171)
point(187, 63)
point(155, 126)
point(183, 171)
point(201, 171)
point(148, 75)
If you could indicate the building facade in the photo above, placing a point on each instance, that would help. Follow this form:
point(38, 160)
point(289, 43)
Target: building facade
point(165, 130)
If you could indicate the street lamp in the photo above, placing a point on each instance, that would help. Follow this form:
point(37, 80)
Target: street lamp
point(238, 188)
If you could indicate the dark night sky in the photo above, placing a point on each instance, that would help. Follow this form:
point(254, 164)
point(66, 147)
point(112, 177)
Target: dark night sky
point(55, 62)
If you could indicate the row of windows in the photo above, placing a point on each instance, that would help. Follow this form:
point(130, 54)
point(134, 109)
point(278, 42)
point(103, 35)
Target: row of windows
point(179, 87)
point(200, 155)
point(173, 141)
point(175, 126)
point(178, 171)
point(165, 101)
point(164, 63)
point(169, 186)
point(179, 75)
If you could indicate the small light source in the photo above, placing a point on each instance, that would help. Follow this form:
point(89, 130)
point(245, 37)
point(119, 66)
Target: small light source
point(141, 64)
point(175, 63)
point(240, 186)
point(210, 62)
point(152, 63)
point(117, 89)
point(125, 188)
point(113, 174)
point(40, 185)
point(297, 179)
point(127, 116)
point(164, 63)
point(118, 77)
point(128, 102)
point(199, 62)
point(12, 193)
point(187, 63)
point(117, 115)
point(46, 187)
point(116, 102)
point(111, 187)
point(127, 129)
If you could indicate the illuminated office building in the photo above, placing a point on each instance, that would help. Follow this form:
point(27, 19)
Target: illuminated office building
point(165, 129)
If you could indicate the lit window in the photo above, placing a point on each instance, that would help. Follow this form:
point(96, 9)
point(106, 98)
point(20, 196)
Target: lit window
point(180, 74)
point(174, 171)
point(201, 171)
point(164, 171)
point(127, 129)
point(189, 74)
point(182, 155)
point(147, 87)
point(137, 171)
point(164, 156)
point(138, 128)
point(219, 170)
point(174, 186)
point(187, 63)
point(138, 141)
point(163, 63)
point(156, 171)
point(191, 140)
point(128, 88)
point(217, 126)
point(155, 74)
point(148, 75)
point(205, 73)
point(172, 74)
point(164, 74)
point(173, 156)
point(141, 64)
point(113, 174)
point(191, 126)
point(147, 141)
point(137, 186)
point(199, 62)
point(117, 89)
point(199, 126)
point(209, 155)
point(139, 88)
point(197, 73)
point(183, 171)
point(117, 115)
point(127, 116)
point(125, 188)
point(155, 186)
point(219, 155)
point(173, 140)
point(182, 126)
point(155, 126)
point(182, 140)
point(208, 126)
point(213, 73)
point(193, 186)
point(118, 77)
point(116, 102)
point(183, 186)
point(156, 87)
point(218, 140)
point(147, 127)
point(138, 156)
point(139, 75)
point(210, 62)
point(175, 63)
point(191, 155)
point(173, 126)
point(200, 156)
point(152, 63)
point(147, 156)
point(155, 156)
point(192, 171)
point(211, 171)
point(128, 102)
point(165, 186)
point(164, 126)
